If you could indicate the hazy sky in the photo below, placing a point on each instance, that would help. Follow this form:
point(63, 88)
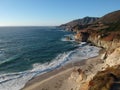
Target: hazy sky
point(51, 12)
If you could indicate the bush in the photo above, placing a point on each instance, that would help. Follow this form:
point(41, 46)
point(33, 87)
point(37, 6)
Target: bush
point(104, 80)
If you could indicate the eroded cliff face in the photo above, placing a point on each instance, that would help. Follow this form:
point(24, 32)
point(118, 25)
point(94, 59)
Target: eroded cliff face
point(110, 41)
point(82, 36)
point(107, 41)
point(80, 78)
point(105, 33)
point(114, 58)
point(109, 78)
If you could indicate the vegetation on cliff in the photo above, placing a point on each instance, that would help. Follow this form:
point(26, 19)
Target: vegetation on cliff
point(103, 32)
point(108, 79)
point(110, 18)
point(106, 28)
point(79, 23)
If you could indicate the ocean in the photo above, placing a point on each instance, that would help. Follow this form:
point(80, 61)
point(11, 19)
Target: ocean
point(26, 52)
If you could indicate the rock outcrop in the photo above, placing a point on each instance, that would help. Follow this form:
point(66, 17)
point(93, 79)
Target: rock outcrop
point(109, 42)
point(114, 58)
point(95, 73)
point(82, 36)
point(104, 33)
point(109, 78)
point(106, 80)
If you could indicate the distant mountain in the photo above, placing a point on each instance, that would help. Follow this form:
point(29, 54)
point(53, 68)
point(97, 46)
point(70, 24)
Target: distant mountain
point(109, 22)
point(103, 32)
point(110, 18)
point(80, 23)
point(107, 28)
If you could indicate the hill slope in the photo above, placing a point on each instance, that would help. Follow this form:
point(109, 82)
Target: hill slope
point(84, 22)
point(110, 18)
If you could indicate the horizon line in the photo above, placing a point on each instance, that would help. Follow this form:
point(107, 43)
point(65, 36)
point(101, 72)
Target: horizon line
point(33, 26)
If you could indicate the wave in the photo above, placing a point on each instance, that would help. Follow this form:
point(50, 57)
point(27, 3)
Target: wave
point(64, 39)
point(16, 81)
point(10, 59)
point(72, 39)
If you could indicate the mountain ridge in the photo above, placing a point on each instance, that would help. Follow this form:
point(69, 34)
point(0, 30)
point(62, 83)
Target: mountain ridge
point(83, 22)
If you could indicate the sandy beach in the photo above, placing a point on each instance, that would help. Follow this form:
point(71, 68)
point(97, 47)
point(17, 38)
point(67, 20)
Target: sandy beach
point(58, 79)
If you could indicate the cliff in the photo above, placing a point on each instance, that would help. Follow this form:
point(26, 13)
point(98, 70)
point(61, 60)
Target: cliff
point(105, 32)
point(97, 74)
point(109, 42)
point(106, 80)
point(103, 74)
point(109, 78)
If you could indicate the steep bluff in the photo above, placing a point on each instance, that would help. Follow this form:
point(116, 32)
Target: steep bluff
point(97, 75)
point(109, 43)
point(103, 74)
point(105, 32)
point(114, 58)
point(109, 78)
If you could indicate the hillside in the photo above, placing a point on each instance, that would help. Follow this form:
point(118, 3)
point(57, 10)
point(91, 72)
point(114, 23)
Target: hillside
point(110, 18)
point(111, 21)
point(80, 23)
point(105, 33)
point(105, 29)
point(107, 23)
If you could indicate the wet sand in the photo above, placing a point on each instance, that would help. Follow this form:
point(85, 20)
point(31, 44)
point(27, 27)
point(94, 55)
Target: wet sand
point(54, 80)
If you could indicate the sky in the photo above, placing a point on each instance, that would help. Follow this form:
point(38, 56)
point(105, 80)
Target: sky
point(52, 12)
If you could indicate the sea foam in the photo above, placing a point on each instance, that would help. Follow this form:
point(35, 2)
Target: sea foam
point(16, 81)
point(68, 35)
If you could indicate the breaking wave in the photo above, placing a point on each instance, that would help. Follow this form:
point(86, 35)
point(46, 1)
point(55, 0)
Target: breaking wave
point(16, 81)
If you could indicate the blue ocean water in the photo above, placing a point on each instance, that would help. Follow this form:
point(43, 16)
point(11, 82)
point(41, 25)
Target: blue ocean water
point(21, 47)
point(26, 52)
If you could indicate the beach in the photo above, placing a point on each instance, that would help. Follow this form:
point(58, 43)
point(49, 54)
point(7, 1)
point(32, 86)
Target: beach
point(59, 45)
point(57, 79)
point(39, 55)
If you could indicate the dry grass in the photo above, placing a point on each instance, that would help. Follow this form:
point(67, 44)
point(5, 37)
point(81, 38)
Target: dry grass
point(104, 80)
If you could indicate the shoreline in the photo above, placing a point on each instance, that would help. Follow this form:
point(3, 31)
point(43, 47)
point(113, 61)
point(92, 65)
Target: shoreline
point(59, 74)
point(54, 72)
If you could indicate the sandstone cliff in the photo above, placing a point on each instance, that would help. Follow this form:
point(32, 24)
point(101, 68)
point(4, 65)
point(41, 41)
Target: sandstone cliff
point(108, 79)
point(103, 74)
point(105, 32)
point(97, 74)
point(109, 42)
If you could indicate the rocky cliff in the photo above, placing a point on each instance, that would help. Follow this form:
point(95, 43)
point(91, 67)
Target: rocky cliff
point(103, 74)
point(97, 74)
point(104, 33)
point(109, 42)
point(108, 79)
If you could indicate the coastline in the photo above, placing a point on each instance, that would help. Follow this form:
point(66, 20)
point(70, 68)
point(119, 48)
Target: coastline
point(54, 80)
